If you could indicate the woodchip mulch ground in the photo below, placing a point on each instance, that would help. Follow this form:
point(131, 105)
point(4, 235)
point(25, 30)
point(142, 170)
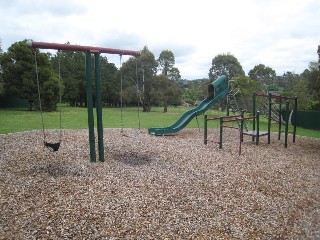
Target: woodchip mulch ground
point(171, 187)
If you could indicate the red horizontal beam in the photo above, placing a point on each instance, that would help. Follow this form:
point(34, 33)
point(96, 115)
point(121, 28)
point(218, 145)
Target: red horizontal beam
point(239, 119)
point(69, 47)
point(246, 118)
point(217, 118)
point(274, 96)
point(230, 121)
point(211, 119)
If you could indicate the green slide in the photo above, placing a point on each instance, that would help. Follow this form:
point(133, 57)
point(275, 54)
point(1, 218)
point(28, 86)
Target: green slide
point(216, 90)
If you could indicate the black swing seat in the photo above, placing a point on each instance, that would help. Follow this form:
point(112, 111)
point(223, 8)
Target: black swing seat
point(53, 147)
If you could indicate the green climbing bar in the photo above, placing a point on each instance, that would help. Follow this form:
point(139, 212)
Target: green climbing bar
point(90, 108)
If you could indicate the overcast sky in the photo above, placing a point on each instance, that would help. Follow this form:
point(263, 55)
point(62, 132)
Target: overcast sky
point(282, 34)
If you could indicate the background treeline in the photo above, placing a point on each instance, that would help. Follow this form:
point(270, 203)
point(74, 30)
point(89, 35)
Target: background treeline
point(144, 80)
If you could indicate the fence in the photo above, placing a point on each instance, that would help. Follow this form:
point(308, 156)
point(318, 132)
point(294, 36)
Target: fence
point(308, 120)
point(13, 102)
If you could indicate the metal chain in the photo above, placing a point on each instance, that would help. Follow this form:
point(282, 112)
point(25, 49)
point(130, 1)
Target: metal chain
point(121, 93)
point(60, 95)
point(39, 95)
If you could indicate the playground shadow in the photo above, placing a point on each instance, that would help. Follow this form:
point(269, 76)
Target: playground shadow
point(57, 170)
point(132, 158)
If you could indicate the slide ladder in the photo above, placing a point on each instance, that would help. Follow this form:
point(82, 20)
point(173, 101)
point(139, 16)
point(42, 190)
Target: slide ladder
point(233, 103)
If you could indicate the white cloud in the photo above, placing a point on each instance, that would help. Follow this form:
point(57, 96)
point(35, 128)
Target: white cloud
point(280, 34)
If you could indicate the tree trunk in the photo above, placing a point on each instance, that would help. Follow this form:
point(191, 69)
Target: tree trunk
point(165, 106)
point(30, 105)
point(146, 108)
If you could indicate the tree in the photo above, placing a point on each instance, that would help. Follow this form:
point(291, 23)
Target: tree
point(296, 86)
point(225, 64)
point(73, 75)
point(262, 73)
point(313, 66)
point(174, 74)
point(1, 51)
point(166, 91)
point(19, 75)
point(245, 87)
point(266, 76)
point(1, 72)
point(110, 83)
point(318, 57)
point(146, 72)
point(314, 87)
point(166, 62)
point(195, 90)
point(314, 84)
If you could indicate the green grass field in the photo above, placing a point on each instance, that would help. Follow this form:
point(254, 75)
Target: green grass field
point(18, 120)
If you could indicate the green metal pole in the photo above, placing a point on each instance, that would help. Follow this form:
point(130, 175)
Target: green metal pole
point(258, 128)
point(279, 122)
point(221, 132)
point(205, 134)
point(90, 108)
point(228, 105)
point(269, 116)
point(295, 112)
point(253, 114)
point(287, 125)
point(99, 106)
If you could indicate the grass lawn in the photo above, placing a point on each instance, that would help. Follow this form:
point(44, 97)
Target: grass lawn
point(18, 120)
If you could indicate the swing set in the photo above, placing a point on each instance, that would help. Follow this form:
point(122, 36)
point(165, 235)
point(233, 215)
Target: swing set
point(96, 51)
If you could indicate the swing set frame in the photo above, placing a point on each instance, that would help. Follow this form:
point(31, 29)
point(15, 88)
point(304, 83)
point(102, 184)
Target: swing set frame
point(96, 51)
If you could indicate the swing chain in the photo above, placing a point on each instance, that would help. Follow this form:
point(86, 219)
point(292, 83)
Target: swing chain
point(39, 95)
point(51, 146)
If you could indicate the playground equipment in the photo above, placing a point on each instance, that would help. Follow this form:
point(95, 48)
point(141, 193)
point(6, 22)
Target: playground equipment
point(216, 90)
point(96, 51)
point(53, 147)
point(233, 103)
point(278, 100)
point(275, 111)
point(256, 133)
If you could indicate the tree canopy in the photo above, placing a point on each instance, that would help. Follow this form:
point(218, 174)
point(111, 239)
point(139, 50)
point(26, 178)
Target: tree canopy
point(20, 79)
point(1, 51)
point(166, 61)
point(262, 72)
point(225, 64)
point(1, 71)
point(145, 79)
